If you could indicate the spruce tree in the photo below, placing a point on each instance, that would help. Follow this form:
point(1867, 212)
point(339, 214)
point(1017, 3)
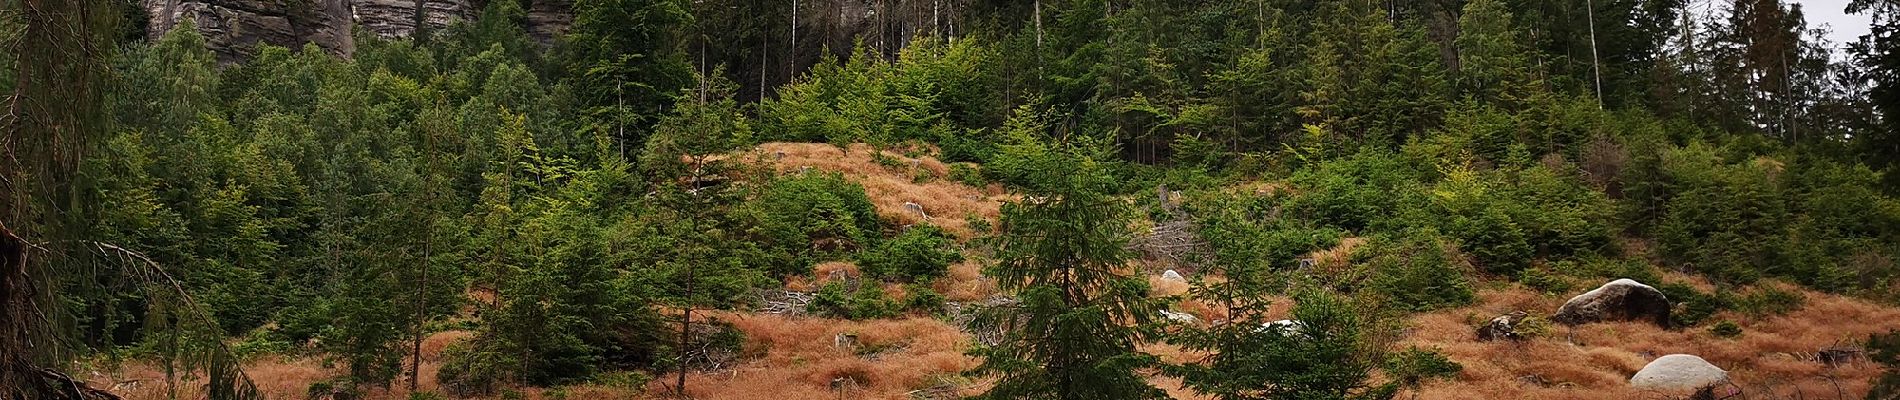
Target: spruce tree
point(683, 156)
point(1063, 254)
point(1492, 64)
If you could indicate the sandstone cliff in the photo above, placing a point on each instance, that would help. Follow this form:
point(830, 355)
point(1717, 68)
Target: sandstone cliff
point(234, 28)
point(397, 18)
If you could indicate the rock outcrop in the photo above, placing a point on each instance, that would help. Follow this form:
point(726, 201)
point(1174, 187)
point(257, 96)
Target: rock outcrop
point(1179, 317)
point(234, 28)
point(1504, 327)
point(1678, 372)
point(397, 18)
point(1619, 300)
point(549, 19)
point(1285, 326)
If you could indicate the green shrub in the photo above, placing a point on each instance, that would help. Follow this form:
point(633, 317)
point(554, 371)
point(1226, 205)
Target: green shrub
point(1415, 274)
point(623, 379)
point(922, 300)
point(1246, 230)
point(1615, 268)
point(1356, 192)
point(1723, 219)
point(967, 174)
point(1470, 207)
point(868, 302)
point(1414, 366)
point(1560, 214)
point(807, 217)
point(1493, 240)
point(261, 341)
point(1888, 387)
point(510, 393)
point(1769, 300)
point(468, 370)
point(1691, 306)
point(1533, 326)
point(1884, 348)
point(1726, 330)
point(978, 224)
point(920, 254)
point(1545, 280)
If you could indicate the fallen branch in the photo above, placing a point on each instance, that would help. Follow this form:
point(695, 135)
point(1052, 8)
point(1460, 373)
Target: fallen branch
point(76, 389)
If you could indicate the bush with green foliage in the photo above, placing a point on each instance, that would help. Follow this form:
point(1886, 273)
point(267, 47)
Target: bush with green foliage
point(922, 299)
point(1722, 217)
point(1325, 354)
point(811, 217)
point(1764, 300)
point(1545, 278)
point(920, 254)
point(837, 300)
point(1247, 229)
point(1884, 349)
point(1692, 307)
point(1414, 273)
point(1370, 189)
point(1414, 366)
point(1726, 330)
point(1482, 220)
point(468, 369)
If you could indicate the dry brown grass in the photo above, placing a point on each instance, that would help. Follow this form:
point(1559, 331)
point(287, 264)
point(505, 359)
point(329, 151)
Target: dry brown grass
point(1339, 257)
point(433, 345)
point(1604, 355)
point(283, 377)
point(965, 282)
point(799, 361)
point(275, 377)
point(1160, 287)
point(833, 270)
point(794, 358)
point(947, 202)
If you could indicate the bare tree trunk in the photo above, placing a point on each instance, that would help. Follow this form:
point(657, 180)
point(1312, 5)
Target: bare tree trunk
point(1596, 66)
point(686, 323)
point(764, 50)
point(791, 62)
point(16, 302)
point(1038, 7)
point(428, 257)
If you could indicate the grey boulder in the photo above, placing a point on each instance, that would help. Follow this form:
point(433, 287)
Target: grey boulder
point(1619, 300)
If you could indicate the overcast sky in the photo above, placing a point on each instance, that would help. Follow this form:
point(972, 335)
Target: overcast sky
point(1844, 27)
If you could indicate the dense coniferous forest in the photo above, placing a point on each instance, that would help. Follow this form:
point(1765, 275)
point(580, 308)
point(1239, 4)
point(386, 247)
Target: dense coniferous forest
point(994, 199)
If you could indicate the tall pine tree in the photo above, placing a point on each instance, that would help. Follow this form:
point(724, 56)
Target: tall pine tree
point(1063, 254)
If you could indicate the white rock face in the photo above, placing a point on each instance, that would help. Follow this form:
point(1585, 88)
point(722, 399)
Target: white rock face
point(1678, 372)
point(1179, 317)
point(1173, 276)
point(1285, 326)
